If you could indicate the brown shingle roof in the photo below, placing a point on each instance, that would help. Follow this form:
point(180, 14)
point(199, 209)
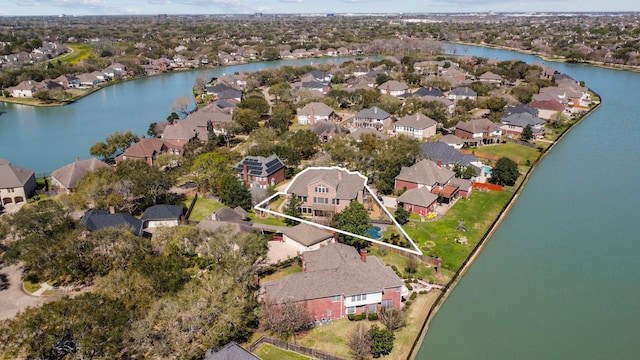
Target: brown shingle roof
point(13, 176)
point(419, 196)
point(306, 234)
point(68, 175)
point(348, 188)
point(425, 172)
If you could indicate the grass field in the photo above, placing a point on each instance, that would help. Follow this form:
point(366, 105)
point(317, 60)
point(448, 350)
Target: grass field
point(202, 209)
point(78, 53)
point(270, 352)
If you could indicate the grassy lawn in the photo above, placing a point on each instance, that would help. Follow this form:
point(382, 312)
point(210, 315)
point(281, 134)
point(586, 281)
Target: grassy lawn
point(31, 287)
point(294, 268)
point(270, 352)
point(518, 153)
point(478, 212)
point(202, 209)
point(80, 52)
point(400, 262)
point(269, 220)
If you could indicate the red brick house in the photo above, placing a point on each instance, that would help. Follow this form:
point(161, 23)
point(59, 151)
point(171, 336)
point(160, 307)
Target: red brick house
point(478, 132)
point(260, 171)
point(337, 281)
point(434, 177)
point(146, 150)
point(419, 201)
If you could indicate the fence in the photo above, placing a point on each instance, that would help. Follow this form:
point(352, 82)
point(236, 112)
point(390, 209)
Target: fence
point(483, 186)
point(313, 353)
point(193, 203)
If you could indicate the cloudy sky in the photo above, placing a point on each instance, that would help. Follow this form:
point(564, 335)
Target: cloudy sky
point(113, 7)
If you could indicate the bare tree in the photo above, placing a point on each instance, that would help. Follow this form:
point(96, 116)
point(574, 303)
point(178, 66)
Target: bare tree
point(392, 318)
point(360, 342)
point(182, 104)
point(288, 318)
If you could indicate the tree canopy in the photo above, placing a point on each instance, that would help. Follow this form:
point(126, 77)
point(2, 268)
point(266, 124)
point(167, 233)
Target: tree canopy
point(505, 172)
point(354, 219)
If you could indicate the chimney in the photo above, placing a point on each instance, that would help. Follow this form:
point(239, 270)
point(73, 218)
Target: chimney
point(439, 162)
point(245, 174)
point(339, 175)
point(312, 117)
point(363, 255)
point(112, 210)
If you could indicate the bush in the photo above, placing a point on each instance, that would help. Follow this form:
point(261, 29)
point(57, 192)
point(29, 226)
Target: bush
point(407, 303)
point(354, 317)
point(413, 296)
point(372, 316)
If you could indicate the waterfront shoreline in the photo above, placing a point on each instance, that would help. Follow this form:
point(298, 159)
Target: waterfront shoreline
point(487, 237)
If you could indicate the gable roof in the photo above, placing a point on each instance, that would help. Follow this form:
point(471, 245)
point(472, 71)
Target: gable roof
point(335, 269)
point(373, 112)
point(547, 105)
point(428, 92)
point(13, 176)
point(419, 196)
point(318, 108)
point(69, 174)
point(520, 108)
point(162, 212)
point(393, 85)
point(463, 91)
point(522, 120)
point(416, 121)
point(146, 147)
point(450, 139)
point(477, 126)
point(425, 172)
point(440, 151)
point(96, 219)
point(490, 76)
point(231, 351)
point(346, 188)
point(328, 127)
point(260, 165)
point(306, 234)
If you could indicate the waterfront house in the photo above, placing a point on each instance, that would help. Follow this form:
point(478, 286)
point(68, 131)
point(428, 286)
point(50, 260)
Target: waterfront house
point(514, 124)
point(418, 126)
point(424, 173)
point(260, 171)
point(25, 89)
point(67, 176)
point(547, 108)
point(478, 132)
point(315, 112)
point(16, 183)
point(420, 201)
point(337, 281)
point(147, 149)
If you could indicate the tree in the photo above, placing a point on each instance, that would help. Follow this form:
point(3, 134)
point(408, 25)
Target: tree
point(293, 209)
point(113, 144)
point(360, 343)
point(354, 219)
point(172, 117)
point(152, 131)
point(233, 193)
point(392, 319)
point(182, 104)
point(382, 341)
point(401, 215)
point(256, 102)
point(505, 172)
point(288, 318)
point(304, 142)
point(527, 133)
point(248, 119)
point(280, 91)
point(207, 168)
point(280, 119)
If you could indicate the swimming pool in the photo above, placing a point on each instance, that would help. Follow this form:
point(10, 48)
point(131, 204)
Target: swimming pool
point(374, 233)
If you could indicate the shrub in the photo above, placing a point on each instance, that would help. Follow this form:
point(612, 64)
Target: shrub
point(413, 296)
point(372, 316)
point(407, 303)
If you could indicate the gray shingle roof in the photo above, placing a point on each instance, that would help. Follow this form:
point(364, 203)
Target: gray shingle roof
point(373, 112)
point(13, 176)
point(416, 121)
point(306, 234)
point(522, 120)
point(260, 165)
point(231, 351)
point(425, 172)
point(463, 91)
point(318, 108)
point(335, 269)
point(347, 189)
point(162, 212)
point(445, 153)
point(96, 219)
point(477, 126)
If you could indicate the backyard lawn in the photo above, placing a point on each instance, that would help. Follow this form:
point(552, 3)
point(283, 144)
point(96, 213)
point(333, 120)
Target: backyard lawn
point(202, 209)
point(270, 352)
point(518, 153)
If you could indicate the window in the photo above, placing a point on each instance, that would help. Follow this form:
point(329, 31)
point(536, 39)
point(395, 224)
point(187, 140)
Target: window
point(373, 308)
point(335, 201)
point(336, 298)
point(322, 189)
point(320, 200)
point(387, 304)
point(361, 297)
point(351, 310)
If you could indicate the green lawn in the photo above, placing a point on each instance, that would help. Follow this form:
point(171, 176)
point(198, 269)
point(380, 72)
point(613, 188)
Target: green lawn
point(270, 352)
point(478, 212)
point(515, 152)
point(202, 209)
point(269, 220)
point(80, 52)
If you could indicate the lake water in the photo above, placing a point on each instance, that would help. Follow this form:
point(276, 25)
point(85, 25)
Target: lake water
point(559, 278)
point(44, 139)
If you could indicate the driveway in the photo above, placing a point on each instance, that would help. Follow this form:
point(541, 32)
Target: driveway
point(13, 299)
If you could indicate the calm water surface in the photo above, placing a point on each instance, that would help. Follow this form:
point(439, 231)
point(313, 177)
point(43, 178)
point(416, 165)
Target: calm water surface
point(559, 278)
point(44, 139)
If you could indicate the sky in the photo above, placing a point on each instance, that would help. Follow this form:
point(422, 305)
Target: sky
point(175, 7)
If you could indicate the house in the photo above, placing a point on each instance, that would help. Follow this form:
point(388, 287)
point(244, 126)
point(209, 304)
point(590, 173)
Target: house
point(478, 132)
point(420, 201)
point(418, 126)
point(372, 117)
point(326, 191)
point(424, 173)
point(315, 112)
point(430, 91)
point(231, 351)
point(236, 219)
point(547, 108)
point(462, 93)
point(259, 171)
point(25, 89)
point(393, 88)
point(16, 183)
point(514, 124)
point(67, 176)
point(359, 132)
point(197, 126)
point(336, 282)
point(162, 216)
point(327, 130)
point(453, 141)
point(96, 219)
point(305, 237)
point(491, 78)
point(440, 152)
point(67, 81)
point(465, 186)
point(146, 150)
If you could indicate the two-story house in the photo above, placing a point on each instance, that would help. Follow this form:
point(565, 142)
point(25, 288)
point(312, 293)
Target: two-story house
point(418, 126)
point(315, 112)
point(260, 171)
point(372, 117)
point(478, 132)
point(337, 281)
point(16, 183)
point(514, 124)
point(326, 191)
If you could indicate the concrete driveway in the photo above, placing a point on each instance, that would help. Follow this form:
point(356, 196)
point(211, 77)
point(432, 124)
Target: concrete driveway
point(14, 300)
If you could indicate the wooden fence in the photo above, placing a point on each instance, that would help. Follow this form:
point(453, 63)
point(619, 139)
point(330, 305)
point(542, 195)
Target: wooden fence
point(312, 353)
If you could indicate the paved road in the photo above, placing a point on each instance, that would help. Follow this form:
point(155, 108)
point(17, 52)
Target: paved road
point(14, 300)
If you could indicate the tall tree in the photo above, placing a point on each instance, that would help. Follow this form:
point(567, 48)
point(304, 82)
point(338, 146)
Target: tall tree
point(233, 193)
point(354, 219)
point(248, 119)
point(293, 209)
point(505, 172)
point(527, 133)
point(182, 105)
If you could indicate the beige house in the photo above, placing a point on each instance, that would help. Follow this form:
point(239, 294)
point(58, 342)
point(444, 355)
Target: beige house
point(16, 183)
point(418, 125)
